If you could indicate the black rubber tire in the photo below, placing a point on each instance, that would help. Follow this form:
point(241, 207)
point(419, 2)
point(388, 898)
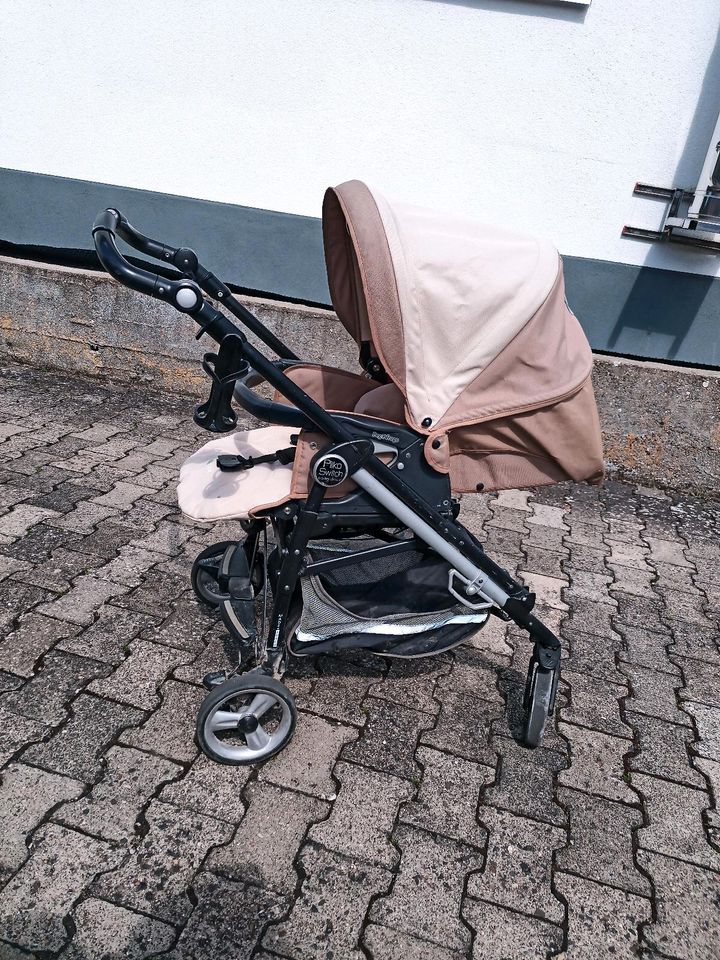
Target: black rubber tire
point(234, 686)
point(539, 695)
point(202, 580)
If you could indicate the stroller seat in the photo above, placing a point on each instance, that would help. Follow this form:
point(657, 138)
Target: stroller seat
point(207, 494)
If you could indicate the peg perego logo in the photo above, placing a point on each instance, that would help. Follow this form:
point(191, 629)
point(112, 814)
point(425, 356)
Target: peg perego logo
point(387, 437)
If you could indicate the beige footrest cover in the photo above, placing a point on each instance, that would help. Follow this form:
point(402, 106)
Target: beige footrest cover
point(206, 493)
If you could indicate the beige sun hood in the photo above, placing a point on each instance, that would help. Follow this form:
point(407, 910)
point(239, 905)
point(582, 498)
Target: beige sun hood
point(471, 324)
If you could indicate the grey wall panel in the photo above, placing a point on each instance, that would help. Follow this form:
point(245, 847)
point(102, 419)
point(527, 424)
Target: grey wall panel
point(628, 310)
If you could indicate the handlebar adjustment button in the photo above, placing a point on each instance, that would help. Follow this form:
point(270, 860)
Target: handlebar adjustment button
point(186, 298)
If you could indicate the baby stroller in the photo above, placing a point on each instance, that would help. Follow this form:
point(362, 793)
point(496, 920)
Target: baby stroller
point(476, 376)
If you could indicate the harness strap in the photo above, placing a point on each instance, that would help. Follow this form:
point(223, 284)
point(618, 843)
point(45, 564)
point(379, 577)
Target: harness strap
point(228, 462)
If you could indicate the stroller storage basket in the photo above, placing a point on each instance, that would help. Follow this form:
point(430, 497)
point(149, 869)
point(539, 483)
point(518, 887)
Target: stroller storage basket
point(384, 602)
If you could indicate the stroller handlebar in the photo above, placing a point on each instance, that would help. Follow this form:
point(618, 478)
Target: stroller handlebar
point(185, 295)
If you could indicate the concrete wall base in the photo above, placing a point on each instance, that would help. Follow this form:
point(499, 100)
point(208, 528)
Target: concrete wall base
point(661, 424)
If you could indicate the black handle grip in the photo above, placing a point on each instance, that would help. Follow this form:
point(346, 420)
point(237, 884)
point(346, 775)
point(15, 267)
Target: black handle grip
point(184, 295)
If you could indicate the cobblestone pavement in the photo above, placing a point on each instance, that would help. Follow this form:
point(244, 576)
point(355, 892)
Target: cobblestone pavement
point(404, 820)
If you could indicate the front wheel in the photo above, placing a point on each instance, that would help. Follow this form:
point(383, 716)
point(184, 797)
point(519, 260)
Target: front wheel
point(205, 572)
point(539, 701)
point(246, 719)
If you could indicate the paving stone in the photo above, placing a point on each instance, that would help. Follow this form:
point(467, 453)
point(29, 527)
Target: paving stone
point(26, 796)
point(602, 922)
point(75, 748)
point(547, 563)
point(524, 781)
point(492, 640)
point(471, 674)
point(596, 764)
point(411, 683)
point(438, 866)
point(707, 720)
point(81, 603)
point(711, 769)
point(646, 648)
point(185, 628)
point(502, 934)
point(267, 841)
point(592, 655)
point(123, 495)
point(11, 565)
point(306, 763)
point(130, 567)
point(17, 732)
point(547, 516)
point(600, 845)
point(170, 731)
point(168, 538)
point(16, 599)
point(640, 612)
point(155, 878)
point(515, 499)
point(47, 695)
point(156, 594)
point(637, 582)
point(546, 538)
point(663, 750)
point(339, 688)
point(595, 619)
point(591, 587)
point(138, 679)
point(147, 513)
point(228, 920)
point(586, 532)
point(624, 531)
point(518, 865)
point(35, 901)
point(507, 518)
point(8, 682)
point(595, 703)
point(210, 788)
point(315, 929)
point(671, 577)
point(690, 640)
point(63, 498)
point(109, 637)
point(675, 815)
point(105, 930)
point(35, 635)
point(108, 538)
point(702, 682)
point(687, 900)
point(463, 728)
point(626, 556)
point(21, 518)
point(448, 797)
point(653, 693)
point(667, 551)
point(363, 815)
point(111, 809)
point(84, 518)
point(385, 944)
point(58, 572)
point(389, 738)
point(684, 606)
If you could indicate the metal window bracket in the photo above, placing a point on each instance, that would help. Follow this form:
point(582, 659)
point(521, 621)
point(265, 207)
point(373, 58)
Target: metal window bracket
point(679, 226)
point(692, 216)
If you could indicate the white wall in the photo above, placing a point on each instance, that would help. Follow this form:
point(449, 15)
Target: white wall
point(512, 111)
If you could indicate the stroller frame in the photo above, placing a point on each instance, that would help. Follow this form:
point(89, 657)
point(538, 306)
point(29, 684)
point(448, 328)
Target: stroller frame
point(405, 494)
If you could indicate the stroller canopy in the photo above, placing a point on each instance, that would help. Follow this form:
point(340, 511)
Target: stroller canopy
point(469, 321)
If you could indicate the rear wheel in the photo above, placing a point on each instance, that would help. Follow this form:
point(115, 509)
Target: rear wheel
point(246, 719)
point(539, 699)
